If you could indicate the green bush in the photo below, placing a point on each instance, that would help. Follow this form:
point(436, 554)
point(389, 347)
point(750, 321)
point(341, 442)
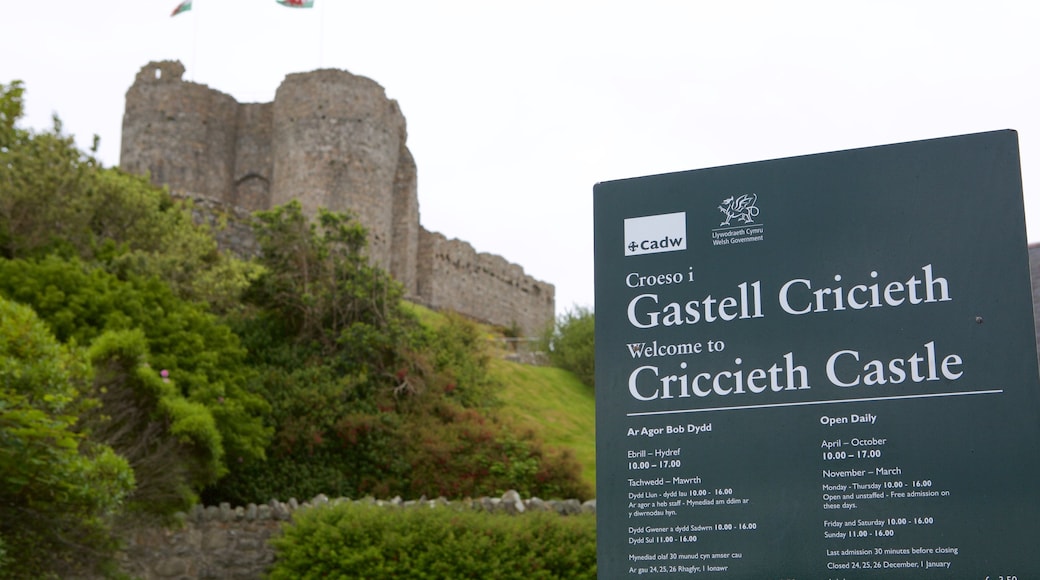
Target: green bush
point(56, 199)
point(201, 356)
point(317, 280)
point(364, 398)
point(440, 449)
point(361, 540)
point(456, 452)
point(571, 344)
point(172, 444)
point(58, 489)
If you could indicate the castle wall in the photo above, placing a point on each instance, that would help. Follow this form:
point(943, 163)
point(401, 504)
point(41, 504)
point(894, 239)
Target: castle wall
point(182, 132)
point(405, 230)
point(484, 286)
point(338, 140)
point(253, 163)
point(329, 139)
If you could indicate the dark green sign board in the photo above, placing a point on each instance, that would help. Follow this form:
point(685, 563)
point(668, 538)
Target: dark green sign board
point(819, 367)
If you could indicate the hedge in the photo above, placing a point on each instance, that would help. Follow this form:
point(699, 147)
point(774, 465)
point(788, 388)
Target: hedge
point(363, 540)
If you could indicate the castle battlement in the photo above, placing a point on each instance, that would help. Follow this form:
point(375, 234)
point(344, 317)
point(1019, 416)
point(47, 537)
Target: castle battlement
point(329, 139)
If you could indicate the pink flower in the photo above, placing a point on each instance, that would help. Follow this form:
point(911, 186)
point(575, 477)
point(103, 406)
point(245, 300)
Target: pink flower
point(164, 373)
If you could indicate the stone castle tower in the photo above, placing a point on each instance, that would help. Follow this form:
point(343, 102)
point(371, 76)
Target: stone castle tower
point(329, 139)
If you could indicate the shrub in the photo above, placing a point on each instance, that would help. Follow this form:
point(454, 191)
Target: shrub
point(317, 281)
point(571, 344)
point(56, 199)
point(360, 540)
point(58, 489)
point(365, 399)
point(203, 357)
point(172, 444)
point(456, 452)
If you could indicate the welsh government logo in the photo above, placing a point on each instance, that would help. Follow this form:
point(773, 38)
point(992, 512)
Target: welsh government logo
point(655, 233)
point(743, 208)
point(739, 226)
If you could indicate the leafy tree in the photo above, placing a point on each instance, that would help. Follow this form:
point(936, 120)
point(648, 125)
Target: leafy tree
point(56, 199)
point(202, 357)
point(12, 107)
point(318, 281)
point(571, 343)
point(364, 399)
point(58, 489)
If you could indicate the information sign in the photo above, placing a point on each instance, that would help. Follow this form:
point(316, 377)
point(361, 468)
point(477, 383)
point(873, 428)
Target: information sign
point(819, 367)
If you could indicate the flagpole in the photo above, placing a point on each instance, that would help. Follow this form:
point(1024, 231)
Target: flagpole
point(194, 44)
point(321, 36)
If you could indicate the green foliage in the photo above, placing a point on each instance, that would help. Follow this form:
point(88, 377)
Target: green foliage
point(12, 107)
point(571, 343)
point(359, 540)
point(464, 453)
point(318, 282)
point(459, 357)
point(336, 439)
point(342, 390)
point(553, 403)
point(202, 357)
point(364, 398)
point(172, 444)
point(57, 488)
point(136, 228)
point(56, 199)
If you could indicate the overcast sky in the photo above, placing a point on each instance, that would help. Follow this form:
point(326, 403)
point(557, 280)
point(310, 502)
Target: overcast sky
point(516, 109)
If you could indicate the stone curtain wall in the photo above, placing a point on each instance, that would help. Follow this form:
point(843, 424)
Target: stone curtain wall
point(329, 139)
point(484, 286)
point(221, 542)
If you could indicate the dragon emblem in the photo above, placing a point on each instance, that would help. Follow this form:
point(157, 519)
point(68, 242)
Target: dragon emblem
point(743, 208)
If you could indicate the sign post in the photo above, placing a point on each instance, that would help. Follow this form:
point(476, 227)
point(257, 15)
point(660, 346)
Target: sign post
point(819, 367)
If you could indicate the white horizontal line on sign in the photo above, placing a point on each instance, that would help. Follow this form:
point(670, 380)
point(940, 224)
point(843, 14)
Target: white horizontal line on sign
point(807, 403)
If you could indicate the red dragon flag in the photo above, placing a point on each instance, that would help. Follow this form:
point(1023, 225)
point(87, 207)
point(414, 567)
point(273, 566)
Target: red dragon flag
point(182, 7)
point(297, 3)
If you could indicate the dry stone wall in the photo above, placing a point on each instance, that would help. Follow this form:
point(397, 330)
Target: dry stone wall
point(329, 139)
point(224, 542)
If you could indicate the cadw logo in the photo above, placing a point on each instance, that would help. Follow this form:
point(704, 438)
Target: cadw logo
point(655, 233)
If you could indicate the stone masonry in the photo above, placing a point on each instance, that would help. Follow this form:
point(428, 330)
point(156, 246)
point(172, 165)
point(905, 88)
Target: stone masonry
point(224, 542)
point(329, 139)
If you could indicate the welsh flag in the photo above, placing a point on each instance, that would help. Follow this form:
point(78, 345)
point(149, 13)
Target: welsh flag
point(182, 7)
point(297, 3)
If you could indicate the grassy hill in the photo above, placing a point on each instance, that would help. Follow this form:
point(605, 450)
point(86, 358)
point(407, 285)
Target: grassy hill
point(553, 403)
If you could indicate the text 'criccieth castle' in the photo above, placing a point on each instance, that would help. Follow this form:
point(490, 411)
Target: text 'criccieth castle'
point(329, 139)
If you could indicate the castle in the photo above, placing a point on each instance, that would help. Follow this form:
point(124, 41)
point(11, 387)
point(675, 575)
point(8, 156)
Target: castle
point(329, 139)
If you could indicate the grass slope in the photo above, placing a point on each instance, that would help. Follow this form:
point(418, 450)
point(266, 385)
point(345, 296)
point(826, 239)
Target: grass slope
point(551, 402)
point(555, 405)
